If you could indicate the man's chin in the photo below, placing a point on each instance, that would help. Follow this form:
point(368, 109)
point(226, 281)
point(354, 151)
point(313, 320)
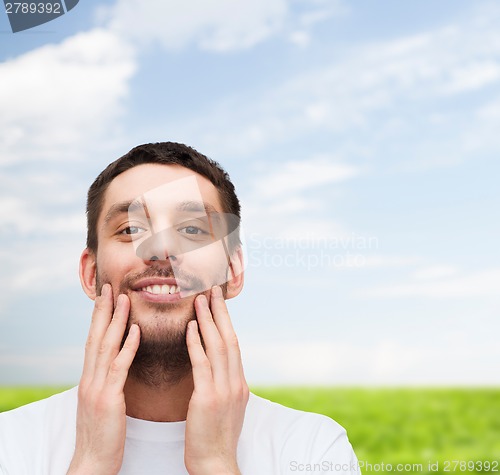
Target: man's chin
point(162, 357)
point(161, 318)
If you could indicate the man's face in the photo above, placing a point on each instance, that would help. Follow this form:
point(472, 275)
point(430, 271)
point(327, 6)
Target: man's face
point(155, 245)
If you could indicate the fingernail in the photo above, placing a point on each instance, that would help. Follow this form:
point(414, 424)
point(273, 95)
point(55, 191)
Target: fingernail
point(134, 329)
point(216, 291)
point(202, 299)
point(105, 290)
point(121, 300)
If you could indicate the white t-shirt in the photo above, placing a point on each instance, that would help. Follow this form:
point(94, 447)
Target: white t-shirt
point(39, 439)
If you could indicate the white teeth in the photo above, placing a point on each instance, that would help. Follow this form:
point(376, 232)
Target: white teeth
point(162, 289)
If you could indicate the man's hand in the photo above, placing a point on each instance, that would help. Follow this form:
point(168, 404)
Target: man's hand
point(217, 406)
point(101, 421)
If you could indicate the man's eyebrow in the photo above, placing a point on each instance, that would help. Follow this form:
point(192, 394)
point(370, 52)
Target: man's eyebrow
point(137, 205)
point(196, 206)
point(122, 208)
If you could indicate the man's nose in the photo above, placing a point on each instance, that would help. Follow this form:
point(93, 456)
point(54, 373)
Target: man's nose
point(160, 246)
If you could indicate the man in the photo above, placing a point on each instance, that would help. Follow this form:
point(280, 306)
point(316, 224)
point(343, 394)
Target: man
point(162, 389)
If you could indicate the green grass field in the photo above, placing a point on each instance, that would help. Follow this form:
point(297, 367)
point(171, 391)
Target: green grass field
point(388, 426)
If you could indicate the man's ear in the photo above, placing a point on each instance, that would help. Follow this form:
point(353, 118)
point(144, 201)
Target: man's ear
point(236, 274)
point(88, 273)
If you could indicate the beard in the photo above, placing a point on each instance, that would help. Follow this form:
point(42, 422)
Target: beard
point(162, 358)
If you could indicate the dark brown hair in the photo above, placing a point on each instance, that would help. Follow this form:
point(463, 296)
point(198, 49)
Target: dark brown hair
point(165, 153)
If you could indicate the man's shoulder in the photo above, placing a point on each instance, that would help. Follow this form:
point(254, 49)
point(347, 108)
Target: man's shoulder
point(36, 435)
point(264, 415)
point(62, 400)
point(292, 440)
point(30, 420)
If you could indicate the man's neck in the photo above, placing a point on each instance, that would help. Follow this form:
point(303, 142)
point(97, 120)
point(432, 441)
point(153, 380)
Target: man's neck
point(158, 404)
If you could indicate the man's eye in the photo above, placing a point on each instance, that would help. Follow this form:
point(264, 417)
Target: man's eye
point(132, 230)
point(192, 230)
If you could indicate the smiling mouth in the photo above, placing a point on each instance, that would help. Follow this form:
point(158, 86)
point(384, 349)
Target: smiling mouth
point(164, 289)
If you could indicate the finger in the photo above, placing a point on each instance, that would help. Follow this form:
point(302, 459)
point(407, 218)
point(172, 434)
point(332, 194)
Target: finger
point(225, 327)
point(101, 316)
point(202, 371)
point(110, 345)
point(216, 350)
point(118, 370)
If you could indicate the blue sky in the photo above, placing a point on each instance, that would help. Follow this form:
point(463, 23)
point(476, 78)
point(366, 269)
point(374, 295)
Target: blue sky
point(362, 138)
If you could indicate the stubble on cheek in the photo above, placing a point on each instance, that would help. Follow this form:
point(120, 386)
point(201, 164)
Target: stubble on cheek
point(162, 357)
point(153, 318)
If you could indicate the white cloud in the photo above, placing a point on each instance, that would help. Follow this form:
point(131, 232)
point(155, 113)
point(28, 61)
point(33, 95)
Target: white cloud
point(316, 362)
point(490, 112)
point(384, 362)
point(285, 201)
point(59, 355)
point(35, 204)
point(61, 365)
point(372, 94)
point(391, 261)
point(30, 267)
point(477, 284)
point(435, 272)
point(59, 103)
point(218, 25)
point(375, 261)
point(293, 177)
point(59, 99)
point(300, 38)
point(21, 217)
point(472, 76)
point(324, 12)
point(299, 227)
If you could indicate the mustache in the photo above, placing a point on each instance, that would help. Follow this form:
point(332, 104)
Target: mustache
point(160, 271)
